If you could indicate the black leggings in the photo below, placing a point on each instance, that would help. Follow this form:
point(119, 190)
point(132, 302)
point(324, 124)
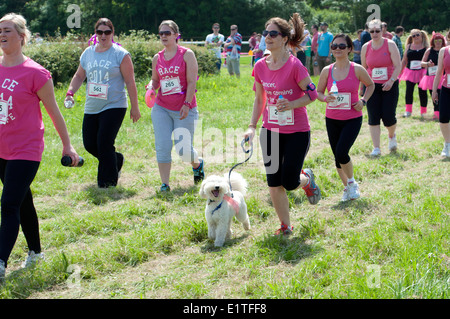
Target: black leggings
point(17, 206)
point(342, 135)
point(283, 156)
point(410, 91)
point(99, 135)
point(382, 105)
point(444, 105)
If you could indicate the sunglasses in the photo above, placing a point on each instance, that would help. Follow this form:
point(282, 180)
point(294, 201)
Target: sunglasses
point(416, 35)
point(166, 33)
point(341, 46)
point(376, 30)
point(101, 32)
point(273, 33)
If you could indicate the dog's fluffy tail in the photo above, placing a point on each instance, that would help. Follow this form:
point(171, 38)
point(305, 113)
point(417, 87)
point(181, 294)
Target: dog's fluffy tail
point(238, 183)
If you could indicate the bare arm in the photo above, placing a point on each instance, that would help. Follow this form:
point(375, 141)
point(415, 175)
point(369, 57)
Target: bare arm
point(47, 96)
point(127, 70)
point(77, 81)
point(258, 108)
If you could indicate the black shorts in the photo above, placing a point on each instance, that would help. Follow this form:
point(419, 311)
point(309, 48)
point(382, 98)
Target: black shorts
point(382, 105)
point(283, 156)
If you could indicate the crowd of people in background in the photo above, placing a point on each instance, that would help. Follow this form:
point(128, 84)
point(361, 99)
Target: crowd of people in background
point(285, 54)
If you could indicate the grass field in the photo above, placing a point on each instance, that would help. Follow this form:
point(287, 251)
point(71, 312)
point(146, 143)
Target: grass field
point(133, 242)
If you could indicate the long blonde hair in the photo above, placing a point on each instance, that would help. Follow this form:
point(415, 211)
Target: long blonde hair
point(21, 25)
point(425, 40)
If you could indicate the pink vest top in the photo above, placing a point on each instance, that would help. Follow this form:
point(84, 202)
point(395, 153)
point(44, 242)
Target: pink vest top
point(348, 85)
point(446, 64)
point(380, 58)
point(173, 81)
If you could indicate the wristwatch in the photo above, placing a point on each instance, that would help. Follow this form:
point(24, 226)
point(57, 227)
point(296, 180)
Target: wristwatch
point(364, 101)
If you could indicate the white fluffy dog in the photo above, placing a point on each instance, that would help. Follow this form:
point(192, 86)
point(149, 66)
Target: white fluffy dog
point(223, 204)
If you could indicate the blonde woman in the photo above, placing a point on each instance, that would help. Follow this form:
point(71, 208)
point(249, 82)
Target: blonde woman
point(25, 84)
point(412, 72)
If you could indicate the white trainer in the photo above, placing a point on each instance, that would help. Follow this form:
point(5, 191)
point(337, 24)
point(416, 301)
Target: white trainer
point(407, 114)
point(446, 150)
point(376, 152)
point(353, 190)
point(32, 259)
point(2, 270)
point(393, 144)
point(345, 196)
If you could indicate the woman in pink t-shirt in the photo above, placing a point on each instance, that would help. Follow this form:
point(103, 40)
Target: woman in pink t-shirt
point(23, 85)
point(280, 85)
point(443, 72)
point(174, 73)
point(344, 110)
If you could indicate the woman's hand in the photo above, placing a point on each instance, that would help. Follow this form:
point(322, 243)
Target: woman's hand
point(358, 106)
point(184, 112)
point(70, 151)
point(249, 134)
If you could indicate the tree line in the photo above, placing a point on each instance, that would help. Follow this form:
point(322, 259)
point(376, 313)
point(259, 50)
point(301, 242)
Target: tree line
point(195, 18)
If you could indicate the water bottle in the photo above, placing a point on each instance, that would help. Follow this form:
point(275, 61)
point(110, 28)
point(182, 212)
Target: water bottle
point(334, 92)
point(282, 116)
point(67, 161)
point(68, 104)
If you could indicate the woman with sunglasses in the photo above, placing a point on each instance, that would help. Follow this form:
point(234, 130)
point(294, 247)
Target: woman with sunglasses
point(443, 78)
point(24, 84)
point(174, 73)
point(429, 63)
point(283, 88)
point(344, 110)
point(108, 69)
point(412, 72)
point(381, 58)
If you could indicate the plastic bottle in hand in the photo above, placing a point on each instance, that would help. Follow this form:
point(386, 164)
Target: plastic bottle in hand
point(282, 116)
point(334, 92)
point(68, 104)
point(67, 161)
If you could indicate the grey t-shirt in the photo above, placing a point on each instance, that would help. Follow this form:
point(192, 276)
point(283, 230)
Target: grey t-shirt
point(105, 87)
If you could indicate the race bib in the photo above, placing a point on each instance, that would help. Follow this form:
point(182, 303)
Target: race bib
point(3, 112)
point(342, 102)
point(379, 74)
point(432, 70)
point(170, 86)
point(284, 119)
point(415, 65)
point(98, 91)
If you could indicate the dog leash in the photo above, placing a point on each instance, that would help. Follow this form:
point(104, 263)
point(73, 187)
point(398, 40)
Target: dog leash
point(250, 150)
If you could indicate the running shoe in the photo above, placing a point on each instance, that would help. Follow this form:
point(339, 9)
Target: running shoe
point(32, 259)
point(284, 230)
point(376, 152)
point(345, 195)
point(2, 270)
point(353, 190)
point(164, 188)
point(407, 114)
point(311, 189)
point(393, 144)
point(446, 150)
point(199, 173)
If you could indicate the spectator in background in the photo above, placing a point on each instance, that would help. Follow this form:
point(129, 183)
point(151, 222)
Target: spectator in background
point(323, 49)
point(252, 45)
point(233, 50)
point(399, 31)
point(384, 32)
point(257, 52)
point(357, 48)
point(308, 53)
point(315, 38)
point(215, 41)
point(37, 38)
point(365, 35)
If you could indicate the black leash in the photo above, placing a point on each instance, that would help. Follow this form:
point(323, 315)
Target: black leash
point(250, 150)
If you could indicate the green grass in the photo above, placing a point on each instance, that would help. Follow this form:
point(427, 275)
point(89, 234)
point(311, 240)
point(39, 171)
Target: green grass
point(133, 242)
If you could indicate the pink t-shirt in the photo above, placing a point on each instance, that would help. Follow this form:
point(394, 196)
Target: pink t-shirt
point(173, 81)
point(21, 126)
point(380, 60)
point(283, 82)
point(348, 90)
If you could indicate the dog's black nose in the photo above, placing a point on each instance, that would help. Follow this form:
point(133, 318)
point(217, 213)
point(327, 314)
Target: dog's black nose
point(217, 188)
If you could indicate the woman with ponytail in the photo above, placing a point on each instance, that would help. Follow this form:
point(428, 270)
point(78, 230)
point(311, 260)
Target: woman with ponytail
point(283, 88)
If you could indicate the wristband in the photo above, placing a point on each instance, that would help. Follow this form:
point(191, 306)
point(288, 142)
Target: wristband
point(364, 101)
point(188, 104)
point(69, 93)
